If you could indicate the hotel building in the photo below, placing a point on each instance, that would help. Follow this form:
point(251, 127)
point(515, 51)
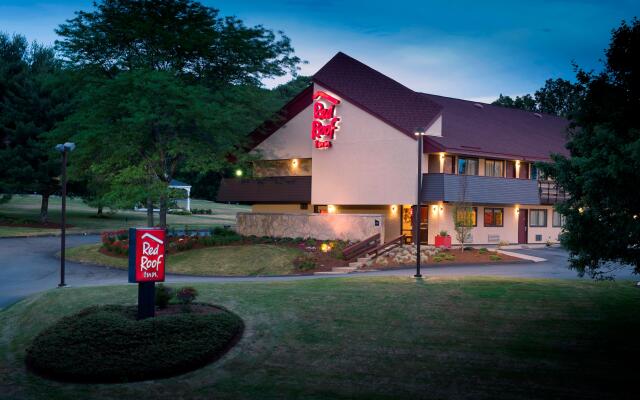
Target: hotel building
point(347, 145)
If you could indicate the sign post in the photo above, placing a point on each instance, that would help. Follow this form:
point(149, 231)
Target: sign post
point(146, 265)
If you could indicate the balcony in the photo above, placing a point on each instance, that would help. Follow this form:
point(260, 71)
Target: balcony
point(550, 193)
point(479, 189)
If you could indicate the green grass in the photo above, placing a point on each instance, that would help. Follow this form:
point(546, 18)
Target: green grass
point(377, 338)
point(84, 218)
point(247, 260)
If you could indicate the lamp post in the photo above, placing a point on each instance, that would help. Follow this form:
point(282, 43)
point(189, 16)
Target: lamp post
point(419, 132)
point(64, 149)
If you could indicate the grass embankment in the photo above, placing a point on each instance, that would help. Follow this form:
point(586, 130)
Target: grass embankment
point(246, 260)
point(375, 338)
point(84, 218)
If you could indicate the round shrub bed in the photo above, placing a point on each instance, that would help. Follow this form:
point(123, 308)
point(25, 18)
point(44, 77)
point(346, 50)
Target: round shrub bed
point(106, 344)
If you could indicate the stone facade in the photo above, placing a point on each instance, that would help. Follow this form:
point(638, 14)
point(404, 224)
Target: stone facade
point(266, 168)
point(352, 227)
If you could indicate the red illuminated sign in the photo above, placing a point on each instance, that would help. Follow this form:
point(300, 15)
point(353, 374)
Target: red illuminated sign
point(325, 122)
point(147, 263)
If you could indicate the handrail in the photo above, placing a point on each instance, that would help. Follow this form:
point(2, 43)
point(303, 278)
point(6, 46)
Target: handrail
point(362, 247)
point(388, 246)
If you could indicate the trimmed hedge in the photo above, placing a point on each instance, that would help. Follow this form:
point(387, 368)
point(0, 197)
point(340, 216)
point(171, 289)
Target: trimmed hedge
point(106, 344)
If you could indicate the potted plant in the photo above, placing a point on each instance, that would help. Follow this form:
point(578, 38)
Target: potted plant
point(443, 240)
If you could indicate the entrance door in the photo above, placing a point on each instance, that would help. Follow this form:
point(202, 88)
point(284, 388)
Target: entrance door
point(523, 226)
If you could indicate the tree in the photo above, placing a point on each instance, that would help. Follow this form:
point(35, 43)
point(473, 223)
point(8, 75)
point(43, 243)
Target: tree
point(182, 36)
point(463, 216)
point(34, 96)
point(558, 97)
point(525, 102)
point(603, 172)
point(140, 127)
point(169, 45)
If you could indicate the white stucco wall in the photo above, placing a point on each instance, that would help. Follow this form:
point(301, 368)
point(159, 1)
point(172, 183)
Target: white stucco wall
point(292, 140)
point(369, 162)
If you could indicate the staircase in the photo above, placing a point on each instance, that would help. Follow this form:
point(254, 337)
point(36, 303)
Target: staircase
point(364, 252)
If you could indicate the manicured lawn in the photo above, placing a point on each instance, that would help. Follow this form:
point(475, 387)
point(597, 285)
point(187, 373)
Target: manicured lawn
point(84, 218)
point(249, 260)
point(378, 338)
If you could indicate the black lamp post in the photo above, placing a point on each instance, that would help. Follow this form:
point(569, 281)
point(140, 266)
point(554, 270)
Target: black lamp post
point(64, 149)
point(419, 132)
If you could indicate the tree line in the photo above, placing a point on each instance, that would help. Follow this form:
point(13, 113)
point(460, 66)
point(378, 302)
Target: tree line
point(149, 91)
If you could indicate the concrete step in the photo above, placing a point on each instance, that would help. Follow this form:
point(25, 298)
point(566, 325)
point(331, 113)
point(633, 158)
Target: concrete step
point(364, 259)
point(344, 269)
point(354, 264)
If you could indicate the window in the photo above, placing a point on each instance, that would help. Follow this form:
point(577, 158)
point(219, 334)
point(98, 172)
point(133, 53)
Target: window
point(538, 218)
point(467, 166)
point(558, 219)
point(534, 172)
point(493, 168)
point(468, 215)
point(493, 217)
point(448, 165)
point(511, 169)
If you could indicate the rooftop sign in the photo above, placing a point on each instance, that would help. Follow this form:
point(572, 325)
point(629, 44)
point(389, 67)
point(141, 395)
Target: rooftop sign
point(325, 122)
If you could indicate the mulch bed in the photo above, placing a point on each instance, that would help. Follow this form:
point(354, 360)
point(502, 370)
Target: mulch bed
point(467, 257)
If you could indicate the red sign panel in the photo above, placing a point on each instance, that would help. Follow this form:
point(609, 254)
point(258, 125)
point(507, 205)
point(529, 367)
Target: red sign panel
point(325, 122)
point(149, 255)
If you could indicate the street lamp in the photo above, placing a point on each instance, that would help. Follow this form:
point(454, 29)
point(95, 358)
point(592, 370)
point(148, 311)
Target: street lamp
point(64, 149)
point(419, 132)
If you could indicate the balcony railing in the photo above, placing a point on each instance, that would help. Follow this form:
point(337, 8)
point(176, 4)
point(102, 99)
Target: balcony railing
point(551, 193)
point(479, 189)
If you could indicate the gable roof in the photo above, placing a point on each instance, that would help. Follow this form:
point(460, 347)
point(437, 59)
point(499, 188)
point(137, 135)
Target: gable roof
point(482, 129)
point(377, 94)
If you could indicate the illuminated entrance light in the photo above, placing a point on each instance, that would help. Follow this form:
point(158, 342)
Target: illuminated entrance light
point(331, 209)
point(294, 163)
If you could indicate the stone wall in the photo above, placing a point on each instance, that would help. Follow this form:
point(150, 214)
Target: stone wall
point(317, 226)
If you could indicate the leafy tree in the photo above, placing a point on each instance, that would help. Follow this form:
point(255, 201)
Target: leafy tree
point(141, 127)
point(183, 36)
point(161, 48)
point(603, 172)
point(558, 97)
point(34, 95)
point(525, 102)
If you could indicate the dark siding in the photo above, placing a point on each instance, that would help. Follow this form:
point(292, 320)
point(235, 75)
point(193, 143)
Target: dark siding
point(290, 189)
point(479, 189)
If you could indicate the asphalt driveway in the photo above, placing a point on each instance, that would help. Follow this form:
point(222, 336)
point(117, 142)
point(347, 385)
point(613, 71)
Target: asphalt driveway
point(29, 265)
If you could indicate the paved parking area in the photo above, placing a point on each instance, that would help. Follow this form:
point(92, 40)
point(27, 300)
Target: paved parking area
point(29, 265)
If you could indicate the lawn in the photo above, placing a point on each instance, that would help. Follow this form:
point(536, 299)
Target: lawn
point(378, 338)
point(247, 260)
point(84, 218)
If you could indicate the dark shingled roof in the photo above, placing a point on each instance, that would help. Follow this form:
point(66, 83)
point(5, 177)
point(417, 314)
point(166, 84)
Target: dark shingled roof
point(377, 94)
point(289, 189)
point(498, 131)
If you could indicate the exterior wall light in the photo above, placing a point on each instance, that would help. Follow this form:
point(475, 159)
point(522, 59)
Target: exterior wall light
point(517, 210)
point(294, 163)
point(238, 172)
point(435, 209)
point(331, 209)
point(394, 209)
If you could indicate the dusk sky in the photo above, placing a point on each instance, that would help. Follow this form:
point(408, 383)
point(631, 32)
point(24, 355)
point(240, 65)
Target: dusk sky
point(467, 49)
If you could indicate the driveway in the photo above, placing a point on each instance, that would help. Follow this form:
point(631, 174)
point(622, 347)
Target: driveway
point(29, 265)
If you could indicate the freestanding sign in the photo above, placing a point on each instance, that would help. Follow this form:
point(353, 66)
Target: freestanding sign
point(146, 265)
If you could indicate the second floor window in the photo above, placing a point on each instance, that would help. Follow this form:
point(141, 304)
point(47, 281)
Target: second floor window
point(467, 166)
point(511, 169)
point(493, 167)
point(493, 217)
point(538, 218)
point(449, 166)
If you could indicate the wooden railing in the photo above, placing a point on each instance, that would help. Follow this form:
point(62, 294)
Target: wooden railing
point(361, 248)
point(388, 246)
point(551, 193)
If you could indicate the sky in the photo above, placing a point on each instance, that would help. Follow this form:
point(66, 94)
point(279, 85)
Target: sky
point(467, 49)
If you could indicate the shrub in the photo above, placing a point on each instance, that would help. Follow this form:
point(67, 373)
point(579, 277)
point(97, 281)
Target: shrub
point(110, 345)
point(305, 262)
point(186, 295)
point(443, 233)
point(495, 257)
point(483, 250)
point(164, 294)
